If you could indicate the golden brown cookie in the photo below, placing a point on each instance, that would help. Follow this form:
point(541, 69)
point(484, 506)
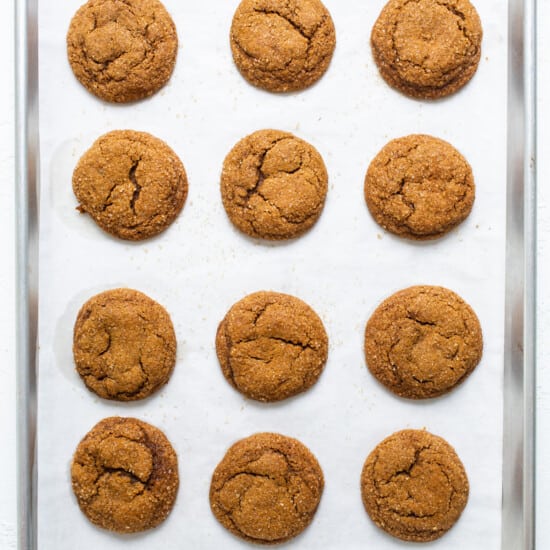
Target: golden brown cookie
point(423, 341)
point(131, 183)
point(273, 185)
point(427, 48)
point(282, 45)
point(124, 345)
point(125, 475)
point(271, 346)
point(414, 486)
point(419, 187)
point(122, 50)
point(267, 488)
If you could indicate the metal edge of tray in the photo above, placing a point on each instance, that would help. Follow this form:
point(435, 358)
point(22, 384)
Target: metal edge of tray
point(518, 495)
point(26, 231)
point(518, 473)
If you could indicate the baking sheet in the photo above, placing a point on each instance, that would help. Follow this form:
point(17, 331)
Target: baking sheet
point(343, 268)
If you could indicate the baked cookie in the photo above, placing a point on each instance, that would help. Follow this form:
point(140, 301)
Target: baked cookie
point(419, 187)
point(271, 346)
point(122, 50)
point(267, 488)
point(124, 345)
point(273, 185)
point(131, 183)
point(414, 486)
point(282, 45)
point(427, 48)
point(423, 341)
point(125, 475)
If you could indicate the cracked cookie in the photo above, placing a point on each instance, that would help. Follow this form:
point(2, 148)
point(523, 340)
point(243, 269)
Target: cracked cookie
point(273, 185)
point(131, 183)
point(267, 488)
point(423, 341)
point(125, 475)
point(271, 346)
point(419, 187)
point(427, 49)
point(414, 486)
point(124, 345)
point(282, 45)
point(122, 50)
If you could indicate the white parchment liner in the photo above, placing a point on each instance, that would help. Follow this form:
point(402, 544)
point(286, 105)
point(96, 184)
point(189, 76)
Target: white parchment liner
point(197, 269)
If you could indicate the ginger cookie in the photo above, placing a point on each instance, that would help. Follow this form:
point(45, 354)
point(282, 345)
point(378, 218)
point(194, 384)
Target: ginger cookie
point(273, 185)
point(427, 49)
point(131, 183)
point(423, 341)
point(419, 187)
point(125, 475)
point(267, 488)
point(124, 345)
point(122, 50)
point(282, 45)
point(414, 486)
point(271, 346)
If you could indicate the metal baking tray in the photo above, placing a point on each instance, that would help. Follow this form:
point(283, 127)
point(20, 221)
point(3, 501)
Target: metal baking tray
point(518, 475)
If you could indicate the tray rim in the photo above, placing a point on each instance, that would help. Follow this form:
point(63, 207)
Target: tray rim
point(518, 491)
point(26, 232)
point(519, 443)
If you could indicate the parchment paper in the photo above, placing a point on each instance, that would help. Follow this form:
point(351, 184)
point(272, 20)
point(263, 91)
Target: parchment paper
point(198, 268)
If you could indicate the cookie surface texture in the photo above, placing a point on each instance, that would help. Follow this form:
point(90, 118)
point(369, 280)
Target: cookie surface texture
point(419, 187)
point(427, 49)
point(423, 341)
point(125, 475)
point(124, 345)
point(414, 486)
point(271, 346)
point(267, 488)
point(131, 183)
point(122, 50)
point(273, 185)
point(282, 45)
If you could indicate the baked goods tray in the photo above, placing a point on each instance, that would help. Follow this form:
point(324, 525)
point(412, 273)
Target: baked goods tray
point(343, 267)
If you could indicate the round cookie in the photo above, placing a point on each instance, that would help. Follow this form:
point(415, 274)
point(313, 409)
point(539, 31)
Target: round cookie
point(131, 183)
point(122, 50)
point(266, 489)
point(423, 341)
point(282, 45)
point(271, 346)
point(273, 185)
point(124, 345)
point(125, 475)
point(414, 486)
point(427, 49)
point(419, 187)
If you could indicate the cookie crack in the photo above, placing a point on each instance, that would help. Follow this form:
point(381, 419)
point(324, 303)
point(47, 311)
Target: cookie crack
point(444, 73)
point(288, 342)
point(108, 200)
point(412, 317)
point(137, 187)
point(422, 380)
point(109, 342)
point(245, 53)
point(408, 470)
point(283, 215)
point(260, 174)
point(138, 32)
point(101, 470)
point(294, 25)
point(452, 9)
point(108, 471)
